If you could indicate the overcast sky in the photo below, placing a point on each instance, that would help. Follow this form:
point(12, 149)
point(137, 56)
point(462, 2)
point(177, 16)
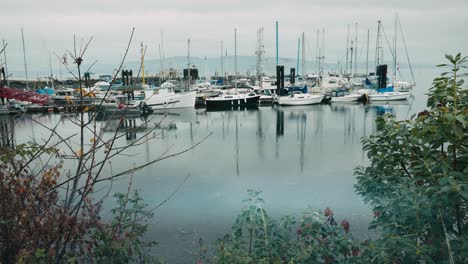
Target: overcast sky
point(432, 28)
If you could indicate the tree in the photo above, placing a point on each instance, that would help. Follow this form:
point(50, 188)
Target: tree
point(50, 213)
point(417, 180)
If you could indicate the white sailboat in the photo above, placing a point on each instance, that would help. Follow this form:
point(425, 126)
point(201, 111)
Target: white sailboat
point(389, 96)
point(394, 94)
point(347, 98)
point(299, 98)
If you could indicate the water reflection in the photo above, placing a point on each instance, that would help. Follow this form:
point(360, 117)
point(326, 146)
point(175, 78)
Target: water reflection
point(292, 151)
point(7, 131)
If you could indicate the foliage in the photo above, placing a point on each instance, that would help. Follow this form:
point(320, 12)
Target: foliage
point(258, 238)
point(417, 180)
point(31, 214)
point(34, 219)
point(121, 241)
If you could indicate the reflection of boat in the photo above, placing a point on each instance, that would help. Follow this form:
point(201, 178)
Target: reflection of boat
point(233, 108)
point(133, 124)
point(11, 108)
point(7, 131)
point(185, 115)
point(298, 98)
point(382, 103)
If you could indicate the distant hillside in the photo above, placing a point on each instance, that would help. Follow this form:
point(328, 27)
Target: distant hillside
point(245, 64)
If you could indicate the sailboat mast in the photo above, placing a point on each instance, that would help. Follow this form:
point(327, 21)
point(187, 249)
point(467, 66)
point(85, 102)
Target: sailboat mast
point(298, 57)
point(303, 56)
point(367, 56)
point(51, 72)
point(160, 61)
point(347, 50)
point(317, 54)
point(355, 51)
point(162, 57)
point(260, 53)
point(351, 58)
point(6, 67)
point(222, 62)
point(323, 50)
point(226, 65)
point(142, 65)
point(206, 70)
point(377, 46)
point(235, 56)
point(395, 51)
point(189, 77)
point(406, 51)
point(24, 57)
point(277, 62)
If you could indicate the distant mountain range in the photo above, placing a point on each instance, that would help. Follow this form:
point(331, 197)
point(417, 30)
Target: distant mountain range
point(208, 66)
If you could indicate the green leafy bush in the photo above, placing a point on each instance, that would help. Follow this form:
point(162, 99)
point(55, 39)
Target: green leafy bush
point(417, 182)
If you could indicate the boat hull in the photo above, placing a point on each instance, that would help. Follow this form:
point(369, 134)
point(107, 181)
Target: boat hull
point(389, 96)
point(347, 98)
point(300, 100)
point(217, 103)
point(171, 101)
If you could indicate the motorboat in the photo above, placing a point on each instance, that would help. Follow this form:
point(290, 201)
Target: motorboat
point(166, 98)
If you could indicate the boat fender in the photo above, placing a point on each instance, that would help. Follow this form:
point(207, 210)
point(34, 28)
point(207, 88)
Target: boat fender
point(326, 99)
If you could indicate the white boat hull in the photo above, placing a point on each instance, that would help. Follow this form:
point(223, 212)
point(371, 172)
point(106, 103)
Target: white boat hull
point(346, 98)
point(389, 96)
point(171, 101)
point(300, 99)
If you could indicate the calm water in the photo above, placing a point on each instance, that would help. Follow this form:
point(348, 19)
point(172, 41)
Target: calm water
point(298, 156)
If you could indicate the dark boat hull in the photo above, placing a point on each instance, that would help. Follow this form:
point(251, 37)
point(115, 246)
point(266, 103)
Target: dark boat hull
point(243, 102)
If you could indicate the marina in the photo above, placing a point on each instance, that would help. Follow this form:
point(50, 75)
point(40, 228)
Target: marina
point(289, 151)
point(242, 132)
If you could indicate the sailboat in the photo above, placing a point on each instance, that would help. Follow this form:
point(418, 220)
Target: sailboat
point(384, 92)
point(233, 98)
point(401, 85)
point(298, 97)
